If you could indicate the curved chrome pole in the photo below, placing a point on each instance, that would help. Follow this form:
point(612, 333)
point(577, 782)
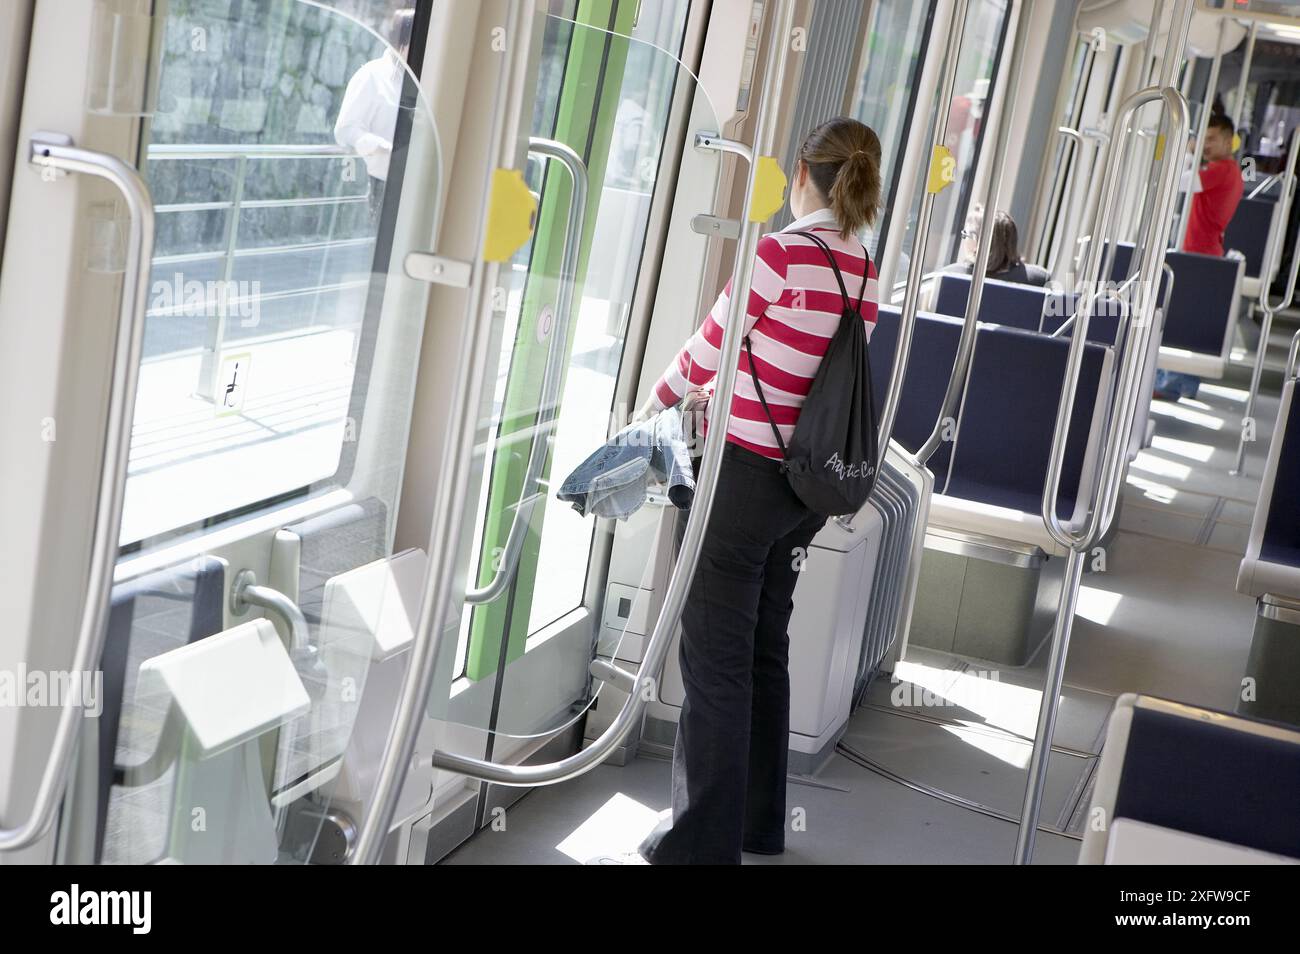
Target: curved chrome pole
point(51, 151)
point(1109, 469)
point(1152, 264)
point(453, 475)
point(552, 374)
point(916, 264)
point(1273, 253)
point(1293, 355)
point(1243, 82)
point(1202, 125)
point(1056, 198)
point(975, 294)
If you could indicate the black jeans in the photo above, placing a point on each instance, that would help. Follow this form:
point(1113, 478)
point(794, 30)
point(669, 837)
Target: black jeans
point(729, 760)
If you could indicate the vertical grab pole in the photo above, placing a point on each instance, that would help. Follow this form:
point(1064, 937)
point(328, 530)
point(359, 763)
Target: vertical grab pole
point(992, 196)
point(1272, 253)
point(1202, 124)
point(1239, 96)
point(552, 373)
point(1159, 72)
point(1109, 469)
point(939, 167)
point(1075, 142)
point(453, 476)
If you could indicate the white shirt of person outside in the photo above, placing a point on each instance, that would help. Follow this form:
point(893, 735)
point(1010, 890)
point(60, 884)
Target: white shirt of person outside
point(367, 117)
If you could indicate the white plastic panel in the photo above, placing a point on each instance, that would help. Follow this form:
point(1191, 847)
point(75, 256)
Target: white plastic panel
point(248, 663)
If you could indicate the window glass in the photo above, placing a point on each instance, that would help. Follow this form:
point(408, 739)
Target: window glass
point(981, 47)
point(882, 93)
point(267, 159)
point(608, 96)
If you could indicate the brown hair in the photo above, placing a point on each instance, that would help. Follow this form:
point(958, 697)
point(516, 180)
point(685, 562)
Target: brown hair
point(843, 158)
point(1003, 250)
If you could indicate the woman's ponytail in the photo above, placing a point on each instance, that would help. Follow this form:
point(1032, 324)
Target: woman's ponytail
point(843, 158)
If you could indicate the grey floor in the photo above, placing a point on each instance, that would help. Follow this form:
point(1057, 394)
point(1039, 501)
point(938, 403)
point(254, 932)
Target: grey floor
point(1164, 619)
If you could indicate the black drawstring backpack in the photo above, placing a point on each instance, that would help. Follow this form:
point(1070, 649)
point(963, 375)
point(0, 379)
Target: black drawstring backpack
point(832, 459)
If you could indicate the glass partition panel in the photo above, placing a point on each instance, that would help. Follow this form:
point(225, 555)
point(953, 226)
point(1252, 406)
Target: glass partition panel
point(539, 603)
point(294, 163)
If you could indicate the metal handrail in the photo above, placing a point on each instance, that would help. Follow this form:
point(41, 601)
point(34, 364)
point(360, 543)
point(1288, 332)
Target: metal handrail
point(979, 270)
point(656, 649)
point(1243, 81)
point(1104, 291)
point(253, 150)
point(1202, 126)
point(553, 373)
point(1109, 470)
point(1110, 504)
point(1067, 538)
point(453, 472)
point(1293, 355)
point(1272, 254)
point(1265, 185)
point(915, 266)
point(52, 151)
point(247, 592)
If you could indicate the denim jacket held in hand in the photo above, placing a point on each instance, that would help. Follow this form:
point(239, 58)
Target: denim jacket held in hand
point(616, 480)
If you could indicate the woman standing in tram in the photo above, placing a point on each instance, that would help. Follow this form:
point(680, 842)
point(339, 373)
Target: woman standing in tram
point(729, 760)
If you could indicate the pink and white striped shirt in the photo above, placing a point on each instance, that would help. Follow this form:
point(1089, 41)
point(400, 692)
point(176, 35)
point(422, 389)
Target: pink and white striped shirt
point(794, 309)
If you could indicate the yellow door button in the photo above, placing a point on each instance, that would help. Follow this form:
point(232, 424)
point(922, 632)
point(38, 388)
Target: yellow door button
point(943, 170)
point(512, 216)
point(769, 189)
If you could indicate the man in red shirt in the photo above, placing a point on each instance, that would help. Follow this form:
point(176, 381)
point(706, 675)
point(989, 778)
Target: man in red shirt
point(1221, 187)
point(1212, 209)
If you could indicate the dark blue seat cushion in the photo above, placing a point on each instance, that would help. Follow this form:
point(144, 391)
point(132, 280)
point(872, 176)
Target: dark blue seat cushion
point(1281, 543)
point(1247, 232)
point(1009, 416)
point(1204, 289)
point(934, 349)
point(1208, 779)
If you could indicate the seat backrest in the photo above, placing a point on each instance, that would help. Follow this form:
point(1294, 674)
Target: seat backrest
point(1200, 310)
point(1207, 773)
point(1281, 541)
point(149, 615)
point(1123, 259)
point(1248, 231)
point(930, 361)
point(1002, 303)
point(1027, 307)
point(1008, 418)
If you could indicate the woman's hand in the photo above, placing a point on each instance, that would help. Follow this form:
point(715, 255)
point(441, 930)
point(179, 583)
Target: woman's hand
point(697, 399)
point(646, 411)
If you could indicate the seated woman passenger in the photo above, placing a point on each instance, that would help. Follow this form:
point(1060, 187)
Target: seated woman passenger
point(1005, 263)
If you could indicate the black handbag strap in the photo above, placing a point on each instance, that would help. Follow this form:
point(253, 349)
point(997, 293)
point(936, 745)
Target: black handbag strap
point(753, 373)
point(839, 276)
point(848, 306)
